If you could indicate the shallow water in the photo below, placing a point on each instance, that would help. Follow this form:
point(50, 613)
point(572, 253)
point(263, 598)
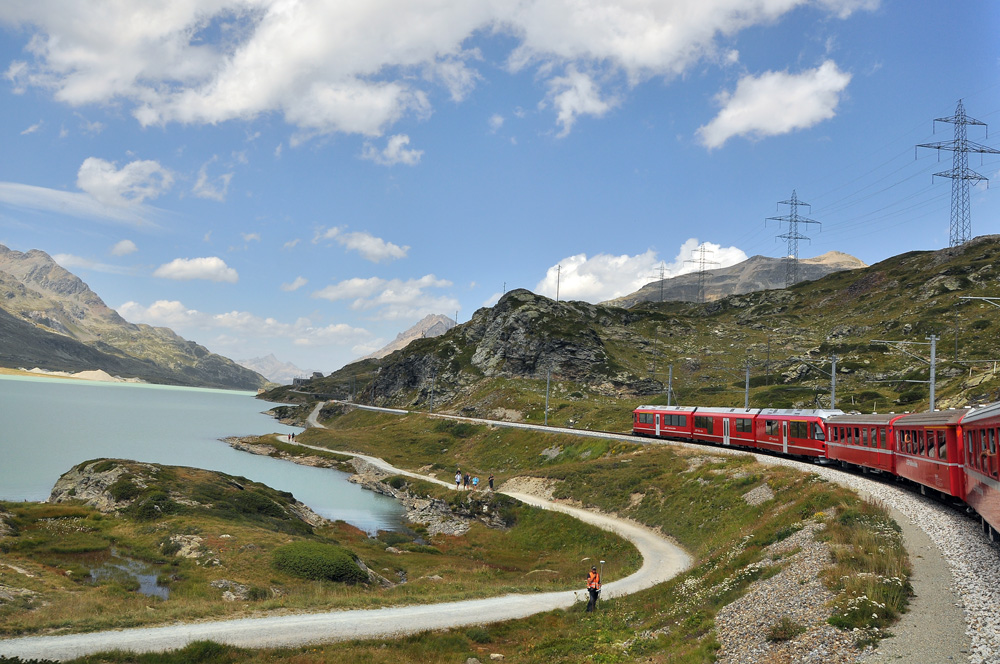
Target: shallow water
point(48, 425)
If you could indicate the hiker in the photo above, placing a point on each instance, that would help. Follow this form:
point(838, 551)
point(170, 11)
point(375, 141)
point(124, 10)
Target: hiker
point(458, 479)
point(491, 481)
point(594, 588)
point(465, 480)
point(475, 483)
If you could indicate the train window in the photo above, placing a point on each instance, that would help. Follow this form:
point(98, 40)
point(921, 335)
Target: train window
point(931, 446)
point(883, 444)
point(921, 448)
point(702, 422)
point(993, 441)
point(798, 430)
point(864, 437)
point(818, 432)
point(942, 445)
point(772, 427)
point(744, 425)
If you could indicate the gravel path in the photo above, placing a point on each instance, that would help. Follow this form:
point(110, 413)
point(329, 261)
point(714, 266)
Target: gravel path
point(661, 560)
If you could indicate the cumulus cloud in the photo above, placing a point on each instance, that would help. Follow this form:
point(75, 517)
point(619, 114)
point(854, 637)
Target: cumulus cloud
point(245, 325)
point(295, 285)
point(360, 66)
point(371, 248)
point(211, 268)
point(392, 299)
point(124, 248)
point(395, 152)
point(132, 184)
point(605, 277)
point(776, 103)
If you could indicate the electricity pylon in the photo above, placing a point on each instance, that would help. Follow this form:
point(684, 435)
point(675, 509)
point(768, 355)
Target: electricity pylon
point(961, 175)
point(702, 262)
point(793, 219)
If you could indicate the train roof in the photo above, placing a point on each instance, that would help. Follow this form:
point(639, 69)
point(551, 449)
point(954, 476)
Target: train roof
point(862, 418)
point(727, 411)
point(933, 418)
point(686, 409)
point(980, 413)
point(801, 412)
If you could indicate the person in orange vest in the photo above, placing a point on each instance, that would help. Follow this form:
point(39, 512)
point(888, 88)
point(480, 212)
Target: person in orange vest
point(594, 588)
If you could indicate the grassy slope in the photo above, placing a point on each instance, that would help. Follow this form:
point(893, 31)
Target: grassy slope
point(693, 496)
point(240, 528)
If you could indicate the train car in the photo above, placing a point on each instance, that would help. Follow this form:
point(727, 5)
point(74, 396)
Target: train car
point(980, 430)
point(725, 426)
point(663, 421)
point(865, 441)
point(794, 432)
point(928, 450)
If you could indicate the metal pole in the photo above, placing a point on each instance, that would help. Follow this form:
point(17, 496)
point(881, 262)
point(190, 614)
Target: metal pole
point(833, 382)
point(548, 376)
point(670, 383)
point(746, 391)
point(933, 339)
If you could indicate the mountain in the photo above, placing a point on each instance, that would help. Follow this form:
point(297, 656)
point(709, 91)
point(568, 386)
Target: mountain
point(52, 320)
point(433, 325)
point(274, 370)
point(757, 273)
point(599, 361)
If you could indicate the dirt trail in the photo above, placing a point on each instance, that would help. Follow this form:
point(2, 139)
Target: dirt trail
point(661, 561)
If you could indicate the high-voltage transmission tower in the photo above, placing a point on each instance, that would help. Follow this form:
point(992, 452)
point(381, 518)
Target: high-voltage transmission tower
point(961, 175)
point(702, 261)
point(793, 219)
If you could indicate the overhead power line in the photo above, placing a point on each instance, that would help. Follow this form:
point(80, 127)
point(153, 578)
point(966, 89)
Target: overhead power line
point(702, 262)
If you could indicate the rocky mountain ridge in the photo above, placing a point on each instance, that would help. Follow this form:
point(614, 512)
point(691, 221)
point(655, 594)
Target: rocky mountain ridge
point(501, 359)
point(52, 320)
point(432, 325)
point(757, 273)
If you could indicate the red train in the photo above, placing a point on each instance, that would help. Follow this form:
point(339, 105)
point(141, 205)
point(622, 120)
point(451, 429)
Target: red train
point(952, 452)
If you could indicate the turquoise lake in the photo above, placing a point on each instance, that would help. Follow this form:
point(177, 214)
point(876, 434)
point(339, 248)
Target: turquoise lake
point(48, 425)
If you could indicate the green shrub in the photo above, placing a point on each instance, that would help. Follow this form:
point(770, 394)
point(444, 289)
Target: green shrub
point(251, 502)
point(396, 482)
point(124, 489)
point(256, 594)
point(104, 466)
point(152, 506)
point(318, 562)
point(784, 630)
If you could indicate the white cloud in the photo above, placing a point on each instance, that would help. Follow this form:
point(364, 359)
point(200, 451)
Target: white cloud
point(291, 244)
point(359, 67)
point(124, 248)
point(32, 129)
point(496, 121)
point(303, 332)
point(26, 196)
point(212, 188)
point(295, 285)
point(211, 268)
point(392, 299)
point(371, 248)
point(576, 94)
point(130, 185)
point(604, 277)
point(71, 262)
point(250, 237)
point(776, 103)
point(395, 152)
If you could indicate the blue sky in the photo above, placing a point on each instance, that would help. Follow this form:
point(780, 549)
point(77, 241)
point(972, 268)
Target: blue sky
point(309, 178)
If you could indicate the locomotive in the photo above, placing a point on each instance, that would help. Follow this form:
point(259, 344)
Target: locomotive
point(950, 453)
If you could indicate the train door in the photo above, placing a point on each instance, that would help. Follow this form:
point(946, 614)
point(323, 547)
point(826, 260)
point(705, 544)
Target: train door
point(725, 430)
point(658, 424)
point(784, 437)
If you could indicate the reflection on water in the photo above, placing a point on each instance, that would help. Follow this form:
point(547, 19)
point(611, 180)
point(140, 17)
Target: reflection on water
point(130, 574)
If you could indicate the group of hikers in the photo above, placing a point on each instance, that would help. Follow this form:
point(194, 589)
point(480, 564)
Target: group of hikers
point(462, 480)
